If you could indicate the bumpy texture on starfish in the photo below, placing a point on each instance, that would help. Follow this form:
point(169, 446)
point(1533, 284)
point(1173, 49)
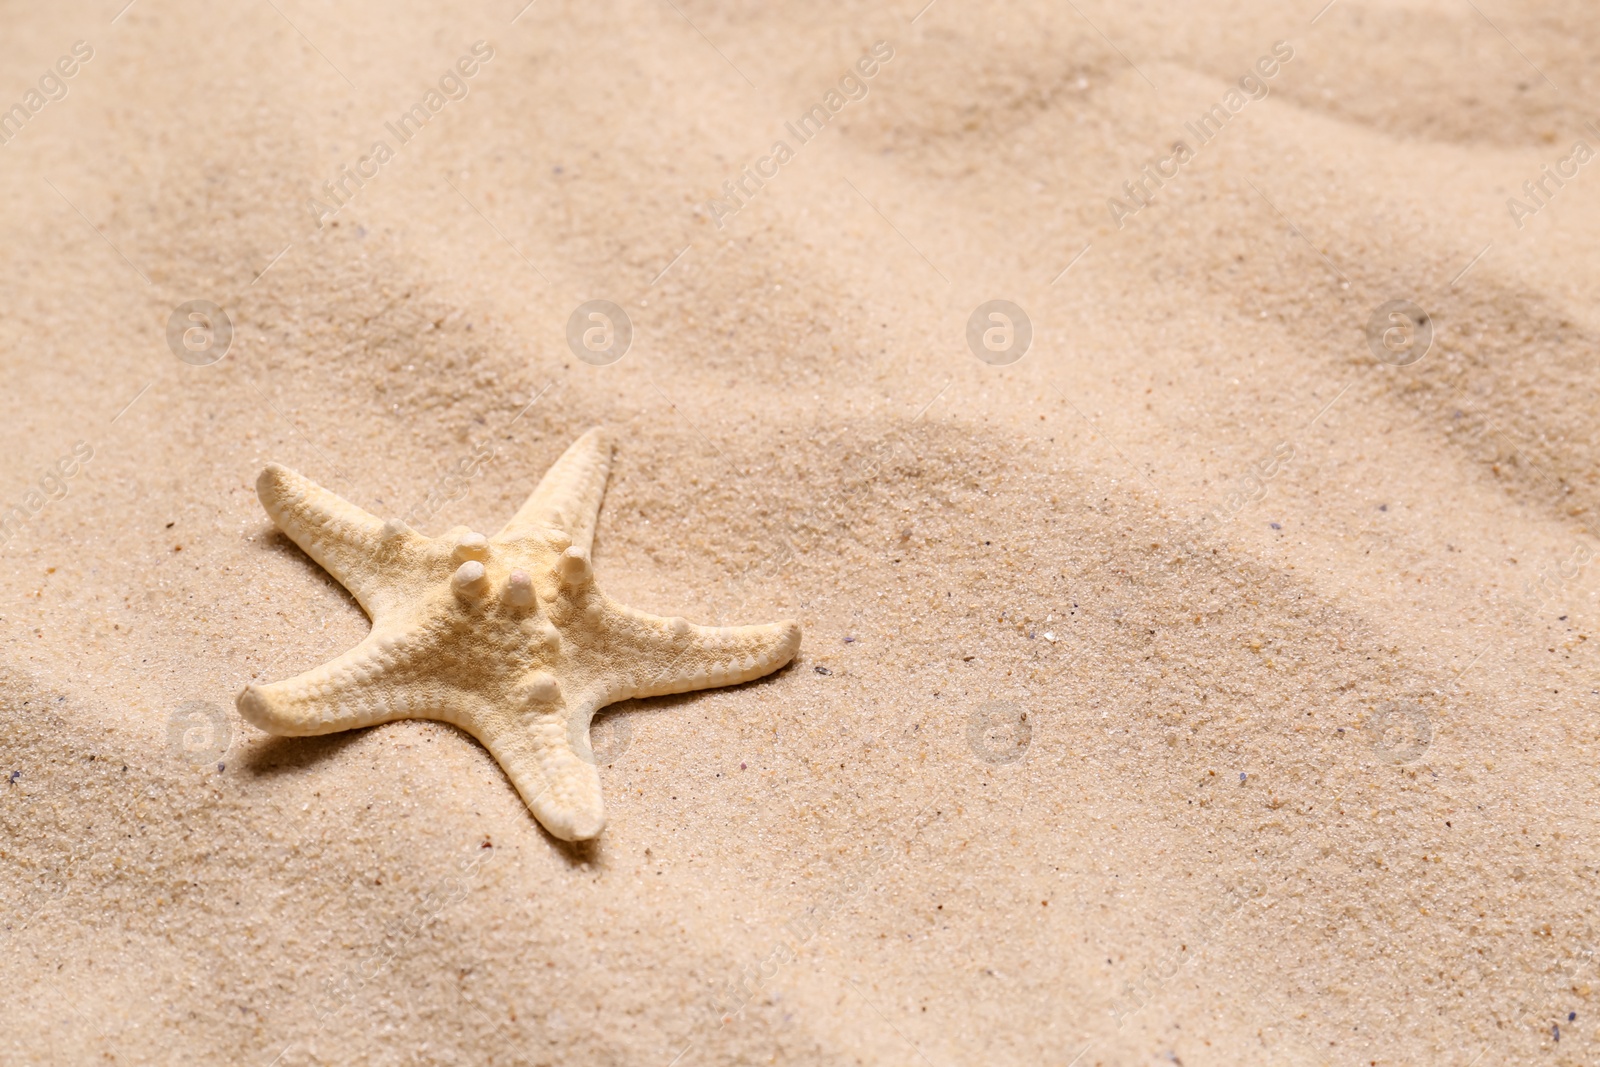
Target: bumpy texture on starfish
point(506, 637)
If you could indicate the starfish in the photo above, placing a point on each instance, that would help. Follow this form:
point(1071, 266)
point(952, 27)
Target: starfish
point(507, 637)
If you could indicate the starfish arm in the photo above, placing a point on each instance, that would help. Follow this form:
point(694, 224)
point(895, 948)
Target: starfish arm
point(647, 655)
point(374, 682)
point(568, 496)
point(547, 758)
point(348, 542)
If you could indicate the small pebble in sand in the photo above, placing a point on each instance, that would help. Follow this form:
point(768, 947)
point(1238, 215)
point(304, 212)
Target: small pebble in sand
point(849, 640)
point(1274, 525)
point(1241, 777)
point(14, 776)
point(821, 669)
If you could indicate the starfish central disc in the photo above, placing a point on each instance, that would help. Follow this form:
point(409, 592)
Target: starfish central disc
point(507, 637)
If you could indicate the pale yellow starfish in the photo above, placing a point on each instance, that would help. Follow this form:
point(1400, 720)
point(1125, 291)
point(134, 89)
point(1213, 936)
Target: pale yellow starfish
point(506, 637)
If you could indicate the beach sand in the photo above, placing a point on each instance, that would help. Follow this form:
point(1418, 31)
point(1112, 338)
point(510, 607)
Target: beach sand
point(1200, 688)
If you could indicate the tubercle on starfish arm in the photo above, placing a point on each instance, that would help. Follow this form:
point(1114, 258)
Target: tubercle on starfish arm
point(508, 638)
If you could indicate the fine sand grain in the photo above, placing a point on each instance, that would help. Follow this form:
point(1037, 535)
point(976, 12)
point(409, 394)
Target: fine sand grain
point(1198, 689)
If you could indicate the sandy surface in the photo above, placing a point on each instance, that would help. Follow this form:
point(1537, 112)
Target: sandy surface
point(1303, 639)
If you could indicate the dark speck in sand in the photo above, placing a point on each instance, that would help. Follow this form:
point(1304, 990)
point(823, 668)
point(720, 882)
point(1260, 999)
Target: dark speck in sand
point(821, 669)
point(1241, 777)
point(1274, 525)
point(221, 767)
point(14, 776)
point(1383, 507)
point(849, 640)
